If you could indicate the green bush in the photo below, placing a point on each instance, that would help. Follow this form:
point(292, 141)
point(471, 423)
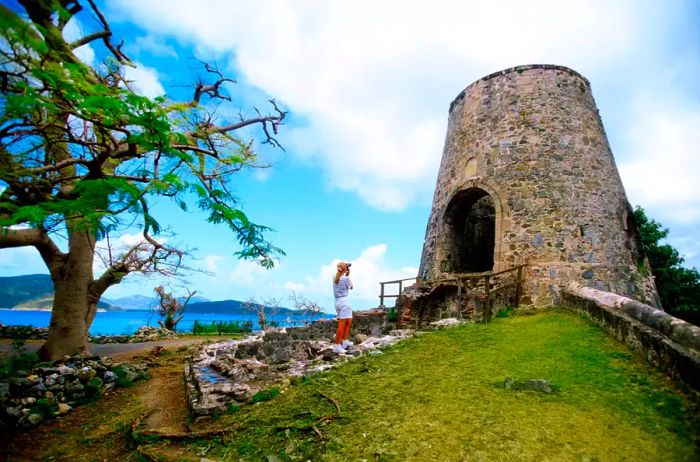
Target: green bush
point(223, 327)
point(392, 315)
point(18, 362)
point(265, 395)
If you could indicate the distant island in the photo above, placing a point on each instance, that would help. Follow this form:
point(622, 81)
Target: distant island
point(35, 292)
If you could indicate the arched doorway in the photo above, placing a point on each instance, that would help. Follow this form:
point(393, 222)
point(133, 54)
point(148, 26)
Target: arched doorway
point(470, 232)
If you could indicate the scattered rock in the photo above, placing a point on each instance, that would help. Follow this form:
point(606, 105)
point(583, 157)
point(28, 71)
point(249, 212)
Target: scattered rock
point(538, 385)
point(445, 323)
point(64, 382)
point(232, 372)
point(63, 408)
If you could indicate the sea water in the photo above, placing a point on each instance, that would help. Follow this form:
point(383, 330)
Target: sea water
point(126, 322)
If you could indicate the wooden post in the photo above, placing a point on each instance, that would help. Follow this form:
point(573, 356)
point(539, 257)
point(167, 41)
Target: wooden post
point(518, 286)
point(459, 298)
point(487, 304)
point(381, 295)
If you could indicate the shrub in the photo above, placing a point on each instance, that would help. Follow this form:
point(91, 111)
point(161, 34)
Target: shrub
point(265, 395)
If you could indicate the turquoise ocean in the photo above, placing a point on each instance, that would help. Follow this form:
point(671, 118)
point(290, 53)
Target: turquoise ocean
point(126, 322)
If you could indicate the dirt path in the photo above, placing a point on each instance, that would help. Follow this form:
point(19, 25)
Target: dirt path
point(104, 430)
point(121, 351)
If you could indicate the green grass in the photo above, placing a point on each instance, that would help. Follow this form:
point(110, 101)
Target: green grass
point(440, 396)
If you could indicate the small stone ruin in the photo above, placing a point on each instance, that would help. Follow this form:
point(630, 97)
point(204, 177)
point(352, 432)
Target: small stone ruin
point(230, 373)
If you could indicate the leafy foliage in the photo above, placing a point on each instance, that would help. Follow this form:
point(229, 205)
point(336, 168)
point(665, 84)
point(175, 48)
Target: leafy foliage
point(678, 286)
point(84, 156)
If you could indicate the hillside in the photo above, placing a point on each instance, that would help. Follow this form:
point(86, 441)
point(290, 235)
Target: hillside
point(229, 307)
point(16, 290)
point(35, 292)
point(142, 302)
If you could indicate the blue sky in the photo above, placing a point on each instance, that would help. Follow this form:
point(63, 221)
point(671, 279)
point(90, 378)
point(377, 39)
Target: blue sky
point(368, 85)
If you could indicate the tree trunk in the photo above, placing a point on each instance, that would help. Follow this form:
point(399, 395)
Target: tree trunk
point(71, 316)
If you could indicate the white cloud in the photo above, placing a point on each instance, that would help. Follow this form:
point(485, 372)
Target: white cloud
point(374, 79)
point(212, 262)
point(248, 273)
point(153, 45)
point(74, 31)
point(144, 80)
point(21, 260)
point(367, 271)
point(660, 167)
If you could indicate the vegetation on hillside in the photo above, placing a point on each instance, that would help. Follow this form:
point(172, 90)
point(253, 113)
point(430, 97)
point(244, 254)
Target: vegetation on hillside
point(678, 286)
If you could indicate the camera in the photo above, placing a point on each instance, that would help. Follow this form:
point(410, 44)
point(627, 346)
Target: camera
point(349, 265)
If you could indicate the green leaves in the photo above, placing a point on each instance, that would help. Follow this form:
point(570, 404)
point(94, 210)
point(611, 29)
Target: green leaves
point(678, 287)
point(79, 147)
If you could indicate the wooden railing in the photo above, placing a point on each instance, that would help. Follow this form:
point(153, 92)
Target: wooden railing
point(465, 280)
point(382, 293)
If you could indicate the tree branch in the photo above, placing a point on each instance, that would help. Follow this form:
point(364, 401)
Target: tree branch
point(35, 237)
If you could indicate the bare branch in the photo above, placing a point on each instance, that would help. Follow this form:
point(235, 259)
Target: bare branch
point(213, 90)
point(89, 38)
point(35, 237)
point(116, 51)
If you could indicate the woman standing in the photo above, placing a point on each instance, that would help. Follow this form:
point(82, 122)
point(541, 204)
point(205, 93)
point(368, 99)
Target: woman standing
point(341, 286)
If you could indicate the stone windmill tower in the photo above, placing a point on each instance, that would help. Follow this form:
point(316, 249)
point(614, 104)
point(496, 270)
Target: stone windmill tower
point(527, 176)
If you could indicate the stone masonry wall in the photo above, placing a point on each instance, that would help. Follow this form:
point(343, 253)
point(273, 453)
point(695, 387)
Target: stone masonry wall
point(531, 138)
point(668, 343)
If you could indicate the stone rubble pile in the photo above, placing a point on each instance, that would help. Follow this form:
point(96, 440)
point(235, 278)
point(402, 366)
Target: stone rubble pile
point(143, 334)
point(232, 372)
point(24, 332)
point(447, 322)
point(52, 389)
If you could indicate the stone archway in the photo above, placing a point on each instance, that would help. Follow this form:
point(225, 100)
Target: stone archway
point(469, 232)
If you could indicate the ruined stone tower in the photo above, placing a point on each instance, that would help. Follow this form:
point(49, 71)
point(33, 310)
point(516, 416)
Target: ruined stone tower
point(527, 176)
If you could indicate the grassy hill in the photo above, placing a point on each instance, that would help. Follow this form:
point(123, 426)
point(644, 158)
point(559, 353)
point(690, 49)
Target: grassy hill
point(441, 396)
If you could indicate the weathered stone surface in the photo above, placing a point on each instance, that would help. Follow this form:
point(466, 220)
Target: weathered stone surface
point(64, 383)
point(538, 385)
point(527, 176)
point(232, 372)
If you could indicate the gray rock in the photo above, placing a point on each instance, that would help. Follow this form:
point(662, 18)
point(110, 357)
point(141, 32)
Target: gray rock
point(34, 419)
point(4, 390)
point(63, 408)
point(86, 373)
point(109, 377)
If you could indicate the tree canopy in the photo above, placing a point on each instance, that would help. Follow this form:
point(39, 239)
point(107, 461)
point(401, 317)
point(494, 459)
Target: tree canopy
point(678, 286)
point(83, 155)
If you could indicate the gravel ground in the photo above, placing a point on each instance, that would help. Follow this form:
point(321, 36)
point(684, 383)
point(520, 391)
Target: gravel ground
point(111, 349)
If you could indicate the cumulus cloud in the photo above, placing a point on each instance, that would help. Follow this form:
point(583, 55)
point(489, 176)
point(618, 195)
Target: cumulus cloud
point(21, 260)
point(152, 45)
point(248, 273)
point(373, 80)
point(74, 31)
point(144, 80)
point(660, 165)
point(367, 271)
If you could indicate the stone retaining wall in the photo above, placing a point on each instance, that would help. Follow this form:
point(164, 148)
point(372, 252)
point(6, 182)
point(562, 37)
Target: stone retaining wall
point(668, 343)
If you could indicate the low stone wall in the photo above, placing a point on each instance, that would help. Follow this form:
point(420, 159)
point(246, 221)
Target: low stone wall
point(24, 332)
point(230, 373)
point(668, 343)
point(48, 390)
